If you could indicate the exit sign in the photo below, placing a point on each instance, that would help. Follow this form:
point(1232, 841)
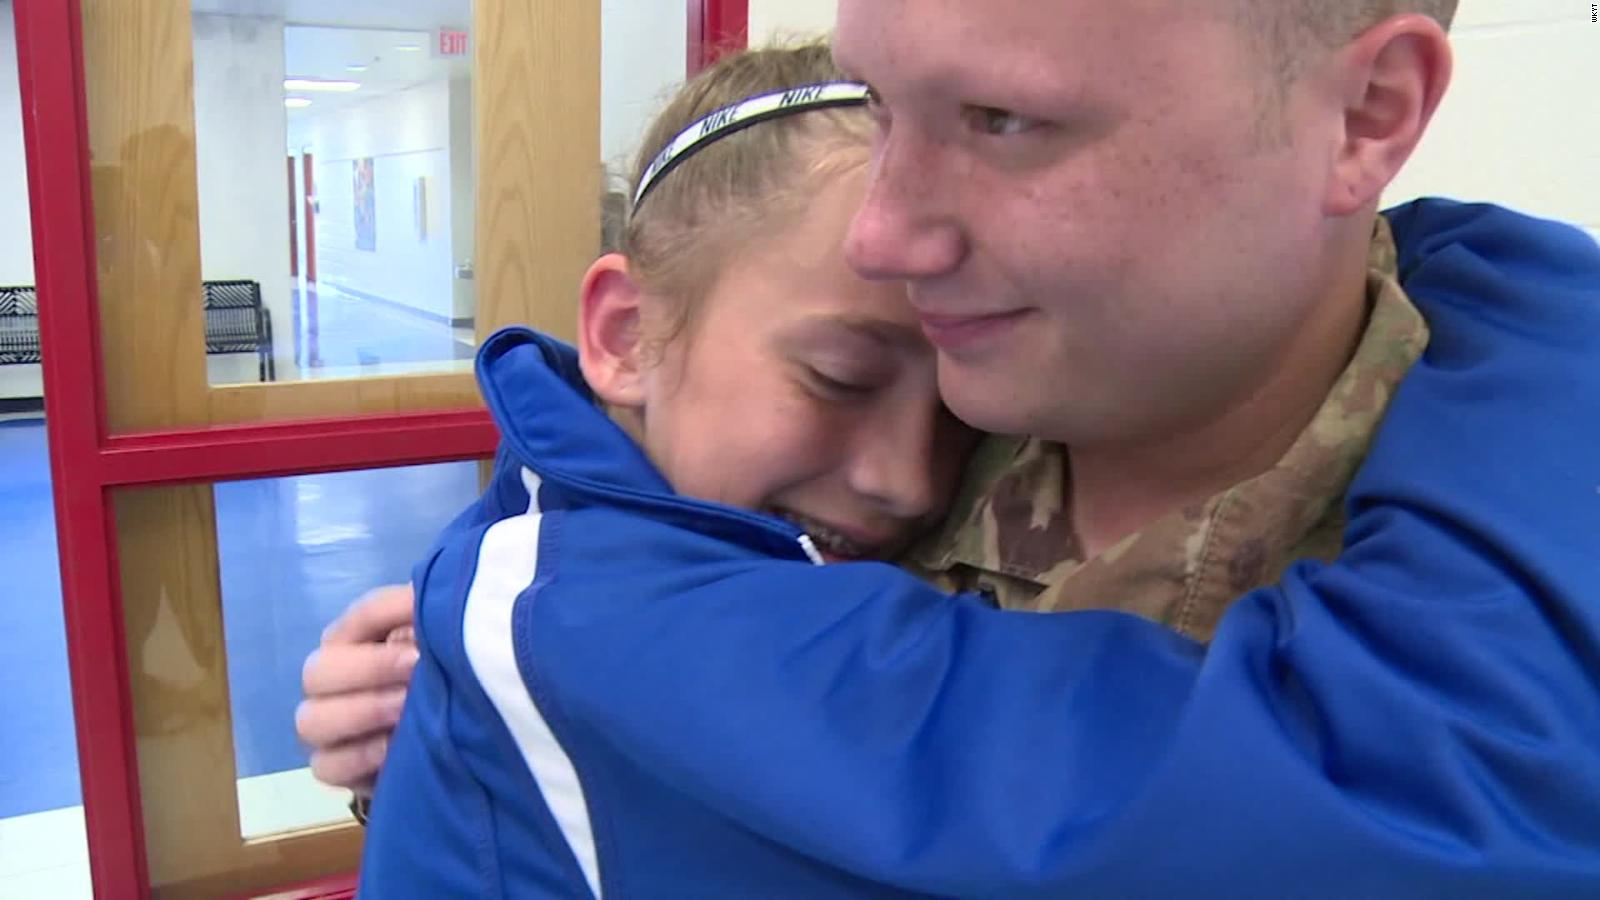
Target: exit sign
point(451, 42)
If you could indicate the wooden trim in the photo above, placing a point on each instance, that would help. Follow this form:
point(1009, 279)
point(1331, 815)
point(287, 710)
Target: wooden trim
point(138, 84)
point(281, 401)
point(180, 679)
point(339, 887)
point(538, 96)
point(262, 868)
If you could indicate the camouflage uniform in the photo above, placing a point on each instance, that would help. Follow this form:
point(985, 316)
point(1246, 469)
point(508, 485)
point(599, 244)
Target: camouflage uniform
point(1010, 531)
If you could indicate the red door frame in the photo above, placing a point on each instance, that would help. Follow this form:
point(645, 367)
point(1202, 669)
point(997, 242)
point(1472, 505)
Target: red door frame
point(716, 27)
point(87, 463)
point(294, 226)
point(309, 184)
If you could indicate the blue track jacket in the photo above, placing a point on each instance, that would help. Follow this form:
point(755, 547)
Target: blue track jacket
point(629, 693)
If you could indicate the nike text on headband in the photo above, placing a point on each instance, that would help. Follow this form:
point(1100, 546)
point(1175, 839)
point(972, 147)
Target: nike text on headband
point(742, 115)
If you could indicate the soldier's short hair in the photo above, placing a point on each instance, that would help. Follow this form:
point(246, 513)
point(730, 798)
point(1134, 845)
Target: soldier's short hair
point(1288, 30)
point(1288, 34)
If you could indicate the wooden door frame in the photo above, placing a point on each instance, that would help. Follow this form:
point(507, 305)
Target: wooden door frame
point(88, 462)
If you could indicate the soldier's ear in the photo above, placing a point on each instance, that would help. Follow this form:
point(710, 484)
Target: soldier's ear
point(1390, 80)
point(609, 348)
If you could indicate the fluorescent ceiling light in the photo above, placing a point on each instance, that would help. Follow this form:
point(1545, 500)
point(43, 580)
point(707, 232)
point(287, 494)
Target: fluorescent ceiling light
point(408, 48)
point(318, 84)
point(355, 68)
point(296, 102)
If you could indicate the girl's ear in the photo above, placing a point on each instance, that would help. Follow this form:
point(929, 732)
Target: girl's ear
point(609, 349)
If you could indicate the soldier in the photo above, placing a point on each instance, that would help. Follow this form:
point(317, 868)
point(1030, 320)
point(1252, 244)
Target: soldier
point(1144, 235)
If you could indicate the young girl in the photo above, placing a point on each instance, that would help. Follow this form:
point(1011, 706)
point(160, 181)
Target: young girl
point(764, 411)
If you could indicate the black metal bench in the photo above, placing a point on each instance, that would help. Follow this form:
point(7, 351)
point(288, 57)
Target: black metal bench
point(19, 325)
point(236, 322)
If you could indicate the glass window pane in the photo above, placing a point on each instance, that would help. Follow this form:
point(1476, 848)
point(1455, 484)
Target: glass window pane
point(336, 189)
point(643, 55)
point(294, 552)
point(332, 229)
point(350, 253)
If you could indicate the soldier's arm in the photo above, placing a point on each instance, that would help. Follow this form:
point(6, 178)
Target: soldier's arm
point(1417, 718)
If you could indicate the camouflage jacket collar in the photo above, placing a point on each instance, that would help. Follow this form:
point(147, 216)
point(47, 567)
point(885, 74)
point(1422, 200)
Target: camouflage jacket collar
point(1010, 529)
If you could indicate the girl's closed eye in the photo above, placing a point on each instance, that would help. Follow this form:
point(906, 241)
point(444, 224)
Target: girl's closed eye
point(839, 386)
point(844, 379)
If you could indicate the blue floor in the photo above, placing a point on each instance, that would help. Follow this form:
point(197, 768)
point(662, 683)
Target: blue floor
point(294, 553)
point(38, 755)
point(335, 328)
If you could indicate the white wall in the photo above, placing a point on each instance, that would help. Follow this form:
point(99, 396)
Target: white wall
point(16, 233)
point(240, 134)
point(642, 60)
point(1521, 125)
point(463, 195)
point(782, 18)
point(407, 135)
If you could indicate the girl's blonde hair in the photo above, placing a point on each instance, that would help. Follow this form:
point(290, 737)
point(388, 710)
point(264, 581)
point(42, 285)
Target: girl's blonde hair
point(753, 181)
